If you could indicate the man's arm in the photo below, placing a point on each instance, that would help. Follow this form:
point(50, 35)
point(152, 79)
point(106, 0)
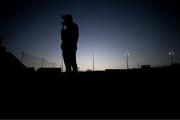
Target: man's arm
point(76, 32)
point(62, 35)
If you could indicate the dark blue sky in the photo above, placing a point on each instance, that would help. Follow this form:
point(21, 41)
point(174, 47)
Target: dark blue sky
point(148, 29)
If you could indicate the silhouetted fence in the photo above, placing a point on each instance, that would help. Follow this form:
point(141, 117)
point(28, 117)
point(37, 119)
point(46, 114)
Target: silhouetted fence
point(36, 62)
point(32, 61)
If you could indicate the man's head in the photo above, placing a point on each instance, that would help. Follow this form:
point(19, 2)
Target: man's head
point(67, 18)
point(63, 23)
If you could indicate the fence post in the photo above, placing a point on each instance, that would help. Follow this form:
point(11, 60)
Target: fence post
point(22, 56)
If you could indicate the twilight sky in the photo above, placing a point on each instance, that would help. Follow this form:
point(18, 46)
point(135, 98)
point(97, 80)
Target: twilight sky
point(147, 29)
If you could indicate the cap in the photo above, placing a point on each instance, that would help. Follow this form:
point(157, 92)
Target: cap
point(67, 17)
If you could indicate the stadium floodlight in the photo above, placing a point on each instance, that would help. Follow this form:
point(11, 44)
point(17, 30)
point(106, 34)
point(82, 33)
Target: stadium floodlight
point(127, 54)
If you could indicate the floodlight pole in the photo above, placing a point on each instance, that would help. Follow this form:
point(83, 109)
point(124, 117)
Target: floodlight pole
point(42, 62)
point(93, 61)
point(171, 54)
point(171, 59)
point(127, 61)
point(54, 65)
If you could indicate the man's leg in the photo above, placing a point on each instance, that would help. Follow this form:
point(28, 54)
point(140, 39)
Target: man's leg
point(73, 62)
point(67, 62)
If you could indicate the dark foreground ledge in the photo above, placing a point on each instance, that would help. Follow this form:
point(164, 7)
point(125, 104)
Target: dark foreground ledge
point(112, 94)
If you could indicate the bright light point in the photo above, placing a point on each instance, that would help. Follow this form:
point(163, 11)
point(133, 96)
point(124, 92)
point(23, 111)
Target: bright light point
point(171, 53)
point(127, 54)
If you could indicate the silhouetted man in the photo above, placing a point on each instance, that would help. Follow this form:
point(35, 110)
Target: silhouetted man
point(69, 37)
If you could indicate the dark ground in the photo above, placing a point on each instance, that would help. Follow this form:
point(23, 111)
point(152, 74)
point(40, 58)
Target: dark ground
point(142, 93)
point(152, 93)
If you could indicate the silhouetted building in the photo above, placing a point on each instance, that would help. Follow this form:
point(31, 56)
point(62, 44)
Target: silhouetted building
point(145, 66)
point(50, 70)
